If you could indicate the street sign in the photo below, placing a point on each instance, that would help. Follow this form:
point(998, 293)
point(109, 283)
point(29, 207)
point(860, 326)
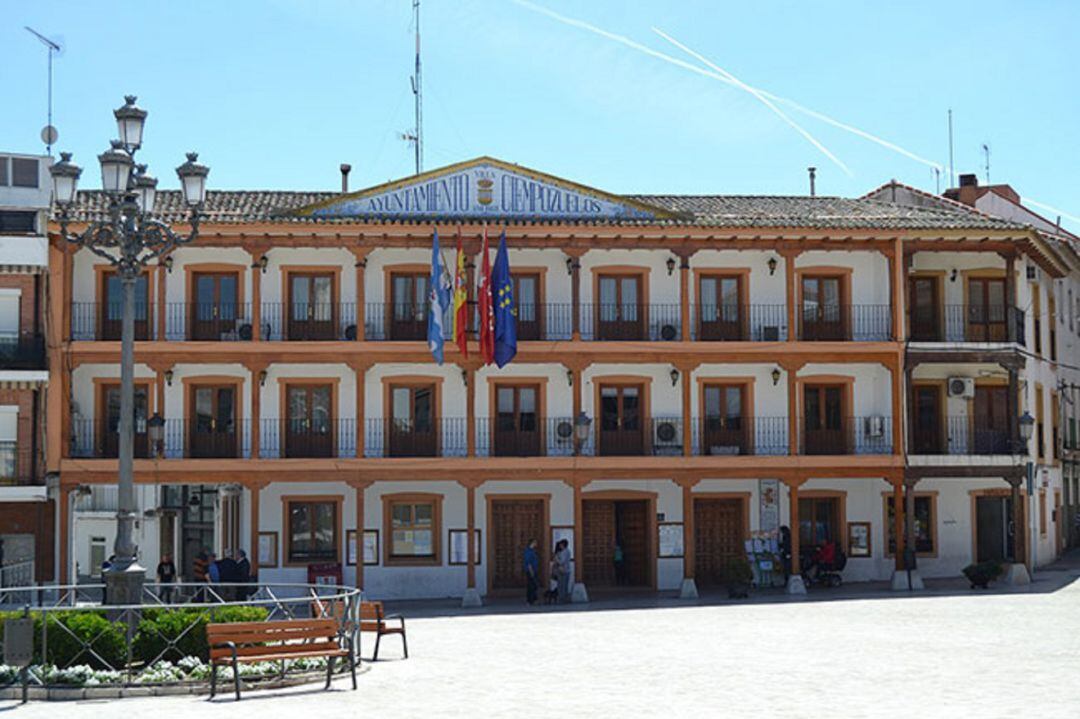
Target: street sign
point(18, 642)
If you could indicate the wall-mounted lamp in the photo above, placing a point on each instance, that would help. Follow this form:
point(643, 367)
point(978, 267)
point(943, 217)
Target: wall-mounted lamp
point(168, 262)
point(361, 263)
point(670, 266)
point(952, 276)
point(465, 377)
point(168, 377)
point(570, 377)
point(772, 263)
point(674, 376)
point(261, 263)
point(776, 376)
point(262, 378)
point(569, 265)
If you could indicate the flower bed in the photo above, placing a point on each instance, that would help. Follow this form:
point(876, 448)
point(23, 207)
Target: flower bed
point(186, 671)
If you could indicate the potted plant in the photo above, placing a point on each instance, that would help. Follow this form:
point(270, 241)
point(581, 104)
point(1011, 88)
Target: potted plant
point(981, 574)
point(738, 576)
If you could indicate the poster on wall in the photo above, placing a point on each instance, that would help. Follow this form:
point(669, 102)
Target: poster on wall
point(268, 543)
point(459, 550)
point(769, 506)
point(670, 542)
point(859, 539)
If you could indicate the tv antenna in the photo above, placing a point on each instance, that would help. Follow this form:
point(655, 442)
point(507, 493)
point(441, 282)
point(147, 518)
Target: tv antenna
point(986, 155)
point(49, 135)
point(416, 136)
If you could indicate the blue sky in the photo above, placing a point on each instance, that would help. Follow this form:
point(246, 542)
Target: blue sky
point(276, 94)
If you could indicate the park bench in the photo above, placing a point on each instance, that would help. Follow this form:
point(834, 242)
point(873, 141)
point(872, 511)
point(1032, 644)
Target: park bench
point(372, 619)
point(231, 644)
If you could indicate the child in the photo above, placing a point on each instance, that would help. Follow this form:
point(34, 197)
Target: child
point(551, 596)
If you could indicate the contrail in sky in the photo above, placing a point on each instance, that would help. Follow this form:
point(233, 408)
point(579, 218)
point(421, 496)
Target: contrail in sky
point(623, 40)
point(759, 95)
point(1042, 206)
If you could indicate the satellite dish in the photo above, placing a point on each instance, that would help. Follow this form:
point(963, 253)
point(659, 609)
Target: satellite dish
point(49, 135)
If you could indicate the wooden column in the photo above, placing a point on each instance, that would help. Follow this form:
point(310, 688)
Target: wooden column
point(1010, 298)
point(470, 524)
point(256, 298)
point(65, 534)
point(576, 392)
point(361, 254)
point(689, 546)
point(253, 539)
point(910, 423)
point(684, 295)
point(898, 521)
point(160, 335)
point(1012, 411)
point(793, 522)
point(360, 377)
point(1019, 525)
point(579, 535)
point(575, 295)
point(66, 280)
point(57, 404)
point(470, 411)
point(359, 486)
point(789, 279)
point(909, 511)
point(898, 286)
point(793, 410)
point(256, 411)
point(897, 406)
point(687, 419)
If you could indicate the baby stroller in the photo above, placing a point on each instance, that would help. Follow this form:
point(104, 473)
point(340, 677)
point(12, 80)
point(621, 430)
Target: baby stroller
point(825, 566)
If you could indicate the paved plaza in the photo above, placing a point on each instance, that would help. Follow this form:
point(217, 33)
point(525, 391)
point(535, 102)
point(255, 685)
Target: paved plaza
point(948, 652)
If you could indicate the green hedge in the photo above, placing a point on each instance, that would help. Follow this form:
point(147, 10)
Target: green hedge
point(156, 627)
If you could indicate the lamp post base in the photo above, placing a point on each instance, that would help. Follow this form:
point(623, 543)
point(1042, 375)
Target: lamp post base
point(471, 598)
point(688, 590)
point(903, 580)
point(1015, 575)
point(125, 586)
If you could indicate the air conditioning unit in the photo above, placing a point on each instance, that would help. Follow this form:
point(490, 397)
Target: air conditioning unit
point(770, 333)
point(875, 427)
point(666, 438)
point(963, 387)
point(669, 332)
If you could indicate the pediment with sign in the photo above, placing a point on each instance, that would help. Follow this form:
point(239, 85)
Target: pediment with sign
point(480, 189)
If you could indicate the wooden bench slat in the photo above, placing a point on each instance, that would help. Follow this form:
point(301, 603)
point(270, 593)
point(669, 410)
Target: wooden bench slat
point(245, 654)
point(270, 636)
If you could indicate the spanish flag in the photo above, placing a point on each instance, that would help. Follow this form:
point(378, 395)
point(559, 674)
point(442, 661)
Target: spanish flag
point(461, 301)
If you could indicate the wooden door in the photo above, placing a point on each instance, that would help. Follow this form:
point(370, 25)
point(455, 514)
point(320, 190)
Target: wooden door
point(822, 308)
point(409, 306)
point(598, 542)
point(929, 430)
point(109, 436)
point(517, 421)
point(719, 533)
point(213, 430)
point(622, 427)
point(824, 420)
point(725, 425)
point(513, 523)
point(619, 311)
point(309, 424)
point(412, 430)
point(214, 309)
point(925, 309)
point(992, 537)
point(632, 534)
point(991, 421)
point(112, 310)
point(986, 315)
point(529, 311)
point(721, 314)
point(312, 311)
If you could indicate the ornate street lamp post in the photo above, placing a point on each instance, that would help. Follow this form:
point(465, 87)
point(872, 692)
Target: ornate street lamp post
point(128, 239)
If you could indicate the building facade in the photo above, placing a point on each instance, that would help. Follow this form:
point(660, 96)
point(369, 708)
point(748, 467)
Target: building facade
point(692, 372)
point(27, 513)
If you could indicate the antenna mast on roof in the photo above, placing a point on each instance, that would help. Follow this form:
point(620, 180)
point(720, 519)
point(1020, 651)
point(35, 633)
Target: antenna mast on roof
point(49, 134)
point(952, 171)
point(416, 137)
point(986, 152)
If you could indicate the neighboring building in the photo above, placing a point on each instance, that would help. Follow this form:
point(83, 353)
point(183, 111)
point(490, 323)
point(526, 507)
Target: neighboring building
point(27, 513)
point(741, 361)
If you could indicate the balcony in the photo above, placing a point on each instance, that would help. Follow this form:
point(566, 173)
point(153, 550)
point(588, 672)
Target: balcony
point(295, 439)
point(446, 437)
point(846, 436)
point(22, 352)
point(967, 323)
point(99, 440)
point(101, 321)
point(727, 436)
point(309, 322)
point(845, 323)
point(960, 436)
point(740, 323)
point(207, 322)
point(17, 467)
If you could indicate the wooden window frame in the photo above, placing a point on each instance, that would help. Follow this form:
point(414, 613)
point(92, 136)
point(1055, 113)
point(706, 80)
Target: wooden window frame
point(888, 523)
point(189, 384)
point(103, 272)
point(941, 386)
point(641, 273)
point(101, 386)
point(540, 273)
point(214, 268)
point(747, 385)
point(742, 274)
point(841, 511)
point(286, 522)
point(983, 274)
point(290, 271)
point(539, 384)
point(938, 276)
point(433, 498)
point(645, 382)
point(843, 274)
point(284, 384)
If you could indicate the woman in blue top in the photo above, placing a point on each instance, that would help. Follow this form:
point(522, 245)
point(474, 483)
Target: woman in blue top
point(531, 565)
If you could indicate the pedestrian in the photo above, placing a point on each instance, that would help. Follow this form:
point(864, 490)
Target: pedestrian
point(562, 560)
point(166, 576)
point(213, 573)
point(105, 567)
point(531, 566)
point(243, 575)
point(785, 551)
point(228, 574)
point(620, 564)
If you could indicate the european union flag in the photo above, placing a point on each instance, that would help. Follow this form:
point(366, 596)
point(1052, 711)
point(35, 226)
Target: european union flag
point(502, 286)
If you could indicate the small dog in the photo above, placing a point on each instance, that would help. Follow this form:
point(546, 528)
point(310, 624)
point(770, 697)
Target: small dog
point(551, 596)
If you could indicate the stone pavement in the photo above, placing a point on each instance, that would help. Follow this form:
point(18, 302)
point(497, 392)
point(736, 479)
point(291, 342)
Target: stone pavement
point(946, 652)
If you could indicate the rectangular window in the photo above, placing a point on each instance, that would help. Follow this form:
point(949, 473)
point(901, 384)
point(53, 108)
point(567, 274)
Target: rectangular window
point(24, 172)
point(4, 182)
point(922, 526)
point(313, 532)
point(819, 521)
point(986, 310)
point(22, 221)
point(1042, 512)
point(413, 529)
point(97, 556)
